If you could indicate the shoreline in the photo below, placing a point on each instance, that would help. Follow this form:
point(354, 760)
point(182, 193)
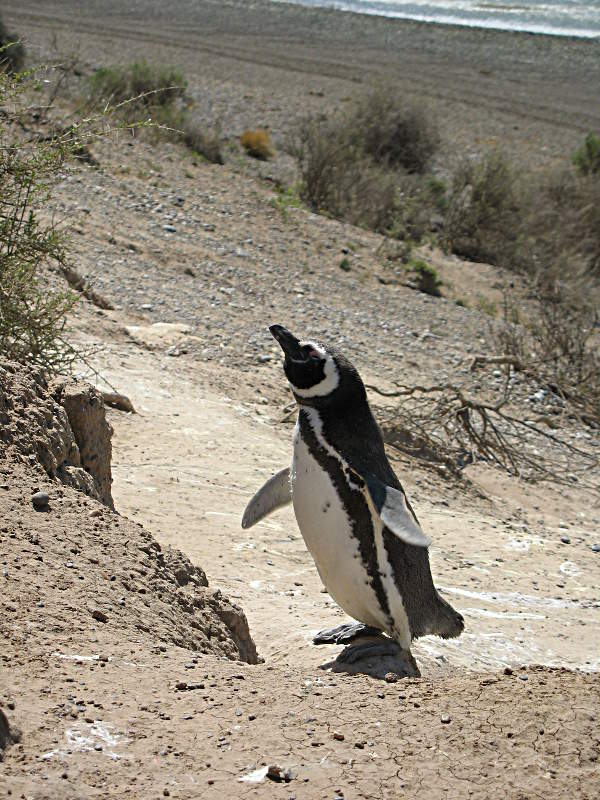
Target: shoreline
point(448, 22)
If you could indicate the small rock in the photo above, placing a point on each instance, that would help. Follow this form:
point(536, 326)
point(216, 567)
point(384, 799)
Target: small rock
point(146, 307)
point(264, 359)
point(189, 271)
point(278, 774)
point(446, 719)
point(391, 677)
point(508, 671)
point(170, 228)
point(596, 548)
point(98, 615)
point(565, 540)
point(40, 500)
point(338, 736)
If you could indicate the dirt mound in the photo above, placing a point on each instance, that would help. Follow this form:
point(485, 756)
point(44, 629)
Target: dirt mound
point(60, 428)
point(72, 564)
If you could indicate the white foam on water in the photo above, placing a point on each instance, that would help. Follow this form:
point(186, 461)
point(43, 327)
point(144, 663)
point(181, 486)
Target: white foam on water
point(580, 18)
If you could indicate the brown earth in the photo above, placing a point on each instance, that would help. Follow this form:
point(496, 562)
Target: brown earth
point(149, 703)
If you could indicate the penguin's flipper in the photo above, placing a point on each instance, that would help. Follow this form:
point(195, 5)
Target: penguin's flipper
point(390, 505)
point(275, 493)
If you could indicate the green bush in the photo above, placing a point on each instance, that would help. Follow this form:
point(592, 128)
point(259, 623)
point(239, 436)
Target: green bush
point(32, 311)
point(12, 52)
point(587, 157)
point(140, 90)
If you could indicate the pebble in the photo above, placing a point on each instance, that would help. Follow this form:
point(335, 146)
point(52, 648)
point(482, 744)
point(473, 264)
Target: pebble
point(391, 677)
point(170, 228)
point(338, 736)
point(40, 500)
point(446, 719)
point(98, 615)
point(596, 548)
point(565, 540)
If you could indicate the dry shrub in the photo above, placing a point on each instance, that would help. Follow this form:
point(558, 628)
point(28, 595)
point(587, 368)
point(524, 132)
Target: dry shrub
point(337, 180)
point(556, 345)
point(392, 130)
point(560, 222)
point(257, 143)
point(206, 143)
point(483, 216)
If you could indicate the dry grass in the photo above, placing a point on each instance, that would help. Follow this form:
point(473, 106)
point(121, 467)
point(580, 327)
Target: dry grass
point(257, 143)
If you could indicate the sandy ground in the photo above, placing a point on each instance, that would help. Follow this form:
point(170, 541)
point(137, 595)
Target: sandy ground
point(527, 596)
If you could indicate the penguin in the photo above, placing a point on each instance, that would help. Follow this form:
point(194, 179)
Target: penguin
point(352, 511)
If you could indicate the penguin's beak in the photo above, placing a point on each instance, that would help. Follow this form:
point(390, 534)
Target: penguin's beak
point(287, 341)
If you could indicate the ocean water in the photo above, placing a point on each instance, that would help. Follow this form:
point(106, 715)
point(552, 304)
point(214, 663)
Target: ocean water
point(579, 18)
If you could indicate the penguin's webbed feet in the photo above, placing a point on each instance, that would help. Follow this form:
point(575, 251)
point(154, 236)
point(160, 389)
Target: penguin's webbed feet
point(377, 649)
point(346, 633)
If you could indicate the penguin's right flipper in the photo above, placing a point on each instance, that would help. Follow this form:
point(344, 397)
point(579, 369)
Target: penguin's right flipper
point(391, 506)
point(275, 493)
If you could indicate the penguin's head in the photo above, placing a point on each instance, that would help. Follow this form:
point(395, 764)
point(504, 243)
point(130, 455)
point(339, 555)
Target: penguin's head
point(318, 375)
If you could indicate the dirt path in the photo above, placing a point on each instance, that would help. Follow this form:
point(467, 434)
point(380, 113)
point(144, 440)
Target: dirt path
point(186, 465)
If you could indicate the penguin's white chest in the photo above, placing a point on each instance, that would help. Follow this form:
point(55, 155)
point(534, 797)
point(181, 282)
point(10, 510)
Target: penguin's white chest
point(327, 531)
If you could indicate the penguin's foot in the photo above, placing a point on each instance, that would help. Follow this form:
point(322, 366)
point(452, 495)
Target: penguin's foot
point(376, 657)
point(346, 633)
point(373, 649)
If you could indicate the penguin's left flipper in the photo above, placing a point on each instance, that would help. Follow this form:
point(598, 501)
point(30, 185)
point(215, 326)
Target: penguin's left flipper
point(390, 505)
point(275, 493)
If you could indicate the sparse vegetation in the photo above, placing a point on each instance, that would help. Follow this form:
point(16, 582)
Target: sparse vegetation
point(392, 130)
point(427, 279)
point(140, 92)
point(205, 143)
point(12, 51)
point(257, 143)
point(482, 221)
point(285, 200)
point(32, 311)
point(587, 157)
point(364, 165)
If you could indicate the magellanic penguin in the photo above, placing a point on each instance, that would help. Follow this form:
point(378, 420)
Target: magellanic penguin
point(358, 525)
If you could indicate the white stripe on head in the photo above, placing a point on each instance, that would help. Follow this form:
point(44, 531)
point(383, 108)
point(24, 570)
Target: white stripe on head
point(331, 379)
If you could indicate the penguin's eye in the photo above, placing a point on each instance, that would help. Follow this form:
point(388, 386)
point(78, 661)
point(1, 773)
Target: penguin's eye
point(313, 354)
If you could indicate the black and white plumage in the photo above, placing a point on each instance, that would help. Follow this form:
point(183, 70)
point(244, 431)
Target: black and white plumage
point(351, 509)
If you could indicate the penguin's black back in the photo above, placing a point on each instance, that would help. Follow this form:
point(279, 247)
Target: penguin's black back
point(350, 428)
